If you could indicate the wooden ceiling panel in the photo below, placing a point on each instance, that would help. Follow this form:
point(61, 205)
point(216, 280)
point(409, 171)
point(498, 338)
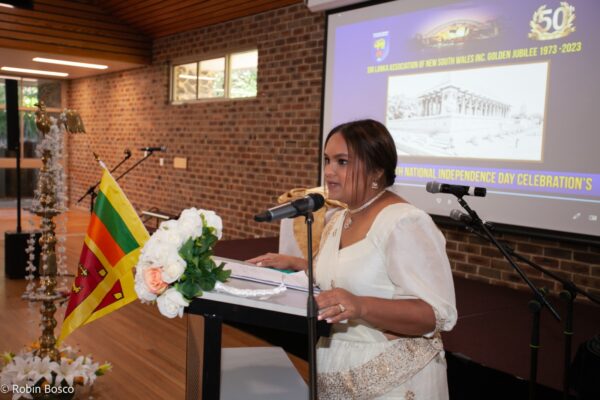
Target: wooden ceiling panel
point(72, 25)
point(166, 17)
point(117, 33)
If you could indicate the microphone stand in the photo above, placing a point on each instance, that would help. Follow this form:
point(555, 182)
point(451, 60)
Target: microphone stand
point(568, 295)
point(535, 306)
point(311, 314)
point(141, 160)
point(92, 189)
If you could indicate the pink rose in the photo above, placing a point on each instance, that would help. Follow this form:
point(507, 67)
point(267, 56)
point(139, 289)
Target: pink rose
point(153, 279)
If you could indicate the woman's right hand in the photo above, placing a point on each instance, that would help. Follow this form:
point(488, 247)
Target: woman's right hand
point(279, 261)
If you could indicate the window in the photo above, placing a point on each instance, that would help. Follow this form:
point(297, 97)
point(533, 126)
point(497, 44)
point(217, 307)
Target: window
point(232, 76)
point(30, 91)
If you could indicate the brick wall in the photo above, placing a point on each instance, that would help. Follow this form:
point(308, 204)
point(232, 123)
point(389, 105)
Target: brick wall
point(475, 258)
point(242, 154)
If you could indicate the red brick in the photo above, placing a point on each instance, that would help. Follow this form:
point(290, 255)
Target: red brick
point(456, 256)
point(529, 248)
point(586, 281)
point(578, 268)
point(469, 248)
point(590, 258)
point(479, 260)
point(489, 272)
point(491, 252)
point(545, 261)
point(464, 267)
point(558, 253)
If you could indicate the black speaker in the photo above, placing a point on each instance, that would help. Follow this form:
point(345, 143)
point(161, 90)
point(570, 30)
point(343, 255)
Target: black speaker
point(15, 257)
point(12, 114)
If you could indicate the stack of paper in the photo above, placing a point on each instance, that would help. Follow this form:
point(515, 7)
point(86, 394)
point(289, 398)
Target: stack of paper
point(269, 276)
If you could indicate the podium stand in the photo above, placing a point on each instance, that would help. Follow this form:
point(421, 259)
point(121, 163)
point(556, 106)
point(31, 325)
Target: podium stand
point(285, 312)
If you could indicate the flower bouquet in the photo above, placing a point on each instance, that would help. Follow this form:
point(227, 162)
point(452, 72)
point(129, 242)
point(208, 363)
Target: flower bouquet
point(176, 263)
point(32, 377)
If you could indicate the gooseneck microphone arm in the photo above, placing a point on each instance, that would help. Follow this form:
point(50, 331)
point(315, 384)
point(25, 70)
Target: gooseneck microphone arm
point(92, 189)
point(141, 160)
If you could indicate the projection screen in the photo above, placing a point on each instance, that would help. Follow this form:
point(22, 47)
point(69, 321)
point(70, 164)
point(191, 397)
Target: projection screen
point(496, 94)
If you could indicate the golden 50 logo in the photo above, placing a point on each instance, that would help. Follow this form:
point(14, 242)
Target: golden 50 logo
point(550, 24)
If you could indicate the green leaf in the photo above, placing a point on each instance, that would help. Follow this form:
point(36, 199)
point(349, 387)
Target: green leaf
point(187, 250)
point(189, 289)
point(208, 283)
point(223, 275)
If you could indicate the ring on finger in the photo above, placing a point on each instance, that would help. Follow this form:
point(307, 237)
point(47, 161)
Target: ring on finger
point(341, 307)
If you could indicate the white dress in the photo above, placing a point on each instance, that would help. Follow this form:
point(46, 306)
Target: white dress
point(403, 256)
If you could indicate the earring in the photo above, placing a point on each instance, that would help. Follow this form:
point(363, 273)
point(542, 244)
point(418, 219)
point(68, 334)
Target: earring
point(374, 185)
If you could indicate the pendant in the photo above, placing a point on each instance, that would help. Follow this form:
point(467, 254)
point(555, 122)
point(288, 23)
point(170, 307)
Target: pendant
point(348, 222)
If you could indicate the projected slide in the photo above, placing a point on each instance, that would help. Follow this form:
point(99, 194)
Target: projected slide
point(495, 112)
point(501, 94)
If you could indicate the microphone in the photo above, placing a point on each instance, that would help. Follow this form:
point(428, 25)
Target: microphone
point(127, 153)
point(457, 190)
point(460, 216)
point(150, 149)
point(466, 219)
point(292, 209)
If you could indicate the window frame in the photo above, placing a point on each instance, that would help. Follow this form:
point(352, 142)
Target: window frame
point(227, 78)
point(29, 162)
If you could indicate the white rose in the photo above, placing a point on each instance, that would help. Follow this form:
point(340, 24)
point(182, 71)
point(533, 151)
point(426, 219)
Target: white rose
point(171, 303)
point(169, 234)
point(190, 223)
point(173, 268)
point(155, 249)
point(212, 219)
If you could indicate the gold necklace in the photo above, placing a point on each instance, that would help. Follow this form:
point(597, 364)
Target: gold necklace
point(348, 221)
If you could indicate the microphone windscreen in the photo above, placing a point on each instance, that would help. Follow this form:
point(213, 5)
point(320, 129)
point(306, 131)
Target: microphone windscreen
point(433, 187)
point(262, 217)
point(456, 215)
point(318, 200)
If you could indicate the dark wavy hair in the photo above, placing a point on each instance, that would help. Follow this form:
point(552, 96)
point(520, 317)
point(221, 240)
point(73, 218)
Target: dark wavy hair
point(371, 144)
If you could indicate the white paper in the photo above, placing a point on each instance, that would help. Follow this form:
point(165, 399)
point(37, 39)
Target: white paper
point(243, 270)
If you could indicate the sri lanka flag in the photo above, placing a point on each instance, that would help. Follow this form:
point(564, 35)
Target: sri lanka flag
point(114, 239)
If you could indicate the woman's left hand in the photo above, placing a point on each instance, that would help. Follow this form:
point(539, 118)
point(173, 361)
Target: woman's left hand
point(337, 305)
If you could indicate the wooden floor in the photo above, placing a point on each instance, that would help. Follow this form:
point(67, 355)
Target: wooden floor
point(147, 350)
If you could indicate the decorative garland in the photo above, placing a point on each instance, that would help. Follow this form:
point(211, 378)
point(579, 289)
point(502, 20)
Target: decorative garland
point(54, 177)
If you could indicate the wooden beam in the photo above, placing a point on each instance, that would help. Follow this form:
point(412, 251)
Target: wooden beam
point(73, 28)
point(72, 51)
